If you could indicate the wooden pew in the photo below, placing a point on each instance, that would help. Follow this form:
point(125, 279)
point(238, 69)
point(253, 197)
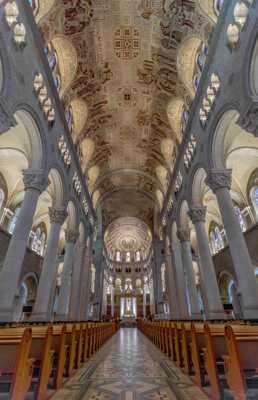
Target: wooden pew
point(214, 351)
point(185, 337)
point(197, 346)
point(15, 360)
point(42, 351)
point(61, 353)
point(72, 343)
point(242, 346)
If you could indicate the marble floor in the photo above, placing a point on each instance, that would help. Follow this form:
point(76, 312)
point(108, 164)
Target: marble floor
point(129, 367)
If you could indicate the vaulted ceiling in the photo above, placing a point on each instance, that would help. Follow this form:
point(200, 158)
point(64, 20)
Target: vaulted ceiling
point(119, 72)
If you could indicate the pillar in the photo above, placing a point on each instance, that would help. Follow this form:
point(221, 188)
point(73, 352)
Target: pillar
point(43, 305)
point(180, 279)
point(172, 289)
point(85, 281)
point(64, 295)
point(34, 183)
point(187, 261)
point(112, 301)
point(144, 302)
point(220, 183)
point(214, 307)
point(76, 284)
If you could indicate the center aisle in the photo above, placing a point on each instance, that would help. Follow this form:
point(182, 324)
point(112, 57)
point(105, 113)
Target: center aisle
point(129, 367)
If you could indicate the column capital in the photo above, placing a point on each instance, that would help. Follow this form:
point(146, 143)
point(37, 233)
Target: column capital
point(183, 236)
point(197, 214)
point(35, 179)
point(219, 179)
point(71, 236)
point(57, 215)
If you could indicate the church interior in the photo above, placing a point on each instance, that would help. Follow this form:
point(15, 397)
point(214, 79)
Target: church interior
point(129, 199)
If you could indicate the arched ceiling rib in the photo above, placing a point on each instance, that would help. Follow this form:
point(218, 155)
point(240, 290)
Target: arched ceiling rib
point(126, 75)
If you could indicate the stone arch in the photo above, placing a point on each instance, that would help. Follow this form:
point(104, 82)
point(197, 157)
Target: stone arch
point(197, 189)
point(174, 113)
point(186, 62)
point(57, 188)
point(26, 138)
point(80, 116)
point(44, 6)
point(87, 147)
point(162, 175)
point(26, 295)
point(67, 61)
point(72, 217)
point(183, 217)
point(206, 6)
point(160, 198)
point(219, 145)
point(167, 148)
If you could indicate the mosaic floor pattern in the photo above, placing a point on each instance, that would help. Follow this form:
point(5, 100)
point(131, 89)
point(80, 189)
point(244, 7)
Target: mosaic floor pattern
point(129, 367)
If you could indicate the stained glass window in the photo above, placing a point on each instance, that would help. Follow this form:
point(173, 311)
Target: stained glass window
point(217, 5)
point(240, 218)
point(254, 198)
point(163, 277)
point(2, 197)
point(14, 219)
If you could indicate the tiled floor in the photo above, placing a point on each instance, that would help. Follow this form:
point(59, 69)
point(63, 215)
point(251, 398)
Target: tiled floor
point(129, 367)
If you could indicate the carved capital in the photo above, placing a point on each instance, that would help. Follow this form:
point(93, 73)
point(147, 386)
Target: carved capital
point(183, 236)
point(249, 119)
point(219, 179)
point(197, 214)
point(71, 236)
point(36, 180)
point(57, 215)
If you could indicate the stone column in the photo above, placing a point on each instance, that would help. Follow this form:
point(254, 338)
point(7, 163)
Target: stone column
point(180, 280)
point(172, 289)
point(64, 295)
point(34, 183)
point(112, 301)
point(207, 271)
point(189, 273)
point(144, 302)
point(85, 280)
point(76, 287)
point(220, 183)
point(43, 305)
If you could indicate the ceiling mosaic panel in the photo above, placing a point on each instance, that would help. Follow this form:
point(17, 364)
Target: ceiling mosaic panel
point(126, 74)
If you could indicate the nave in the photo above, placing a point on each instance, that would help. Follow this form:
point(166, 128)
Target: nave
point(130, 367)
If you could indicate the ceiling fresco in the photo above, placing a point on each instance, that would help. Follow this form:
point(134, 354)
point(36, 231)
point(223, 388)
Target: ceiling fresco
point(127, 76)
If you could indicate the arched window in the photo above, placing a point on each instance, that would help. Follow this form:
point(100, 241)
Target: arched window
point(39, 241)
point(13, 220)
point(254, 199)
point(137, 256)
point(53, 64)
point(93, 278)
point(128, 256)
point(184, 118)
point(240, 218)
point(34, 5)
point(2, 198)
point(217, 5)
point(200, 63)
point(118, 256)
point(69, 118)
point(216, 240)
point(163, 277)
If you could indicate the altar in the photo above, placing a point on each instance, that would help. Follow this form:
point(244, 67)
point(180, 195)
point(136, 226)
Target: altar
point(128, 311)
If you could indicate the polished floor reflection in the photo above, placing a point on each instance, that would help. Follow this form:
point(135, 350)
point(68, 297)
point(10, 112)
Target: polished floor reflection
point(129, 367)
